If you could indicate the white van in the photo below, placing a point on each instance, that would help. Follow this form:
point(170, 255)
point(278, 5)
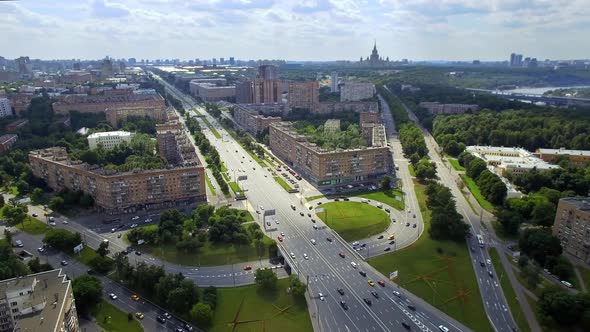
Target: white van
point(364, 200)
point(379, 205)
point(567, 284)
point(354, 265)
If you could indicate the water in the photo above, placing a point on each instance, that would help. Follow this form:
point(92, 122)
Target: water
point(540, 91)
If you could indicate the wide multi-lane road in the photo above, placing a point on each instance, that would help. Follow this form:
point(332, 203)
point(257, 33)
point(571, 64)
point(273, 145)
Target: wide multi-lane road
point(323, 268)
point(488, 281)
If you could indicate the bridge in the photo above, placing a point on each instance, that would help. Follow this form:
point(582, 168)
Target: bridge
point(534, 98)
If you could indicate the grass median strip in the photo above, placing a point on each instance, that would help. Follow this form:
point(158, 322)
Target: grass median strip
point(455, 163)
point(210, 185)
point(33, 226)
point(235, 187)
point(213, 130)
point(509, 293)
point(282, 183)
point(112, 319)
point(477, 194)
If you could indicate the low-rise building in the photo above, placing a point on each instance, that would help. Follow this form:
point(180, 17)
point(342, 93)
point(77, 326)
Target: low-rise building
point(327, 169)
point(514, 160)
point(212, 92)
point(5, 107)
point(355, 106)
point(251, 120)
point(100, 103)
point(572, 226)
point(356, 91)
point(16, 125)
point(109, 139)
point(20, 101)
point(577, 157)
point(117, 114)
point(7, 141)
point(38, 302)
point(438, 108)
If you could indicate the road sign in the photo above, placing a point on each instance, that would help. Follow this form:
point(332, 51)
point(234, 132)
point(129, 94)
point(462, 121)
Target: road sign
point(78, 248)
point(242, 177)
point(270, 212)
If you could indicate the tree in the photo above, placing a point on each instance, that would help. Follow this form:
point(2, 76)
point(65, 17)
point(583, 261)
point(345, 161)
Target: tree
point(202, 314)
point(562, 307)
point(425, 169)
point(539, 244)
point(87, 293)
point(475, 167)
point(8, 235)
point(297, 287)
point(543, 214)
point(36, 195)
point(531, 273)
point(386, 183)
point(101, 264)
point(266, 279)
point(16, 213)
point(210, 296)
point(22, 187)
point(62, 239)
point(57, 203)
point(103, 249)
point(202, 214)
point(36, 266)
point(10, 265)
point(2, 202)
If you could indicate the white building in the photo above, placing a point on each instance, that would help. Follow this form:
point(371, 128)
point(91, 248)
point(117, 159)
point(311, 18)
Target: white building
point(355, 91)
point(334, 84)
point(5, 108)
point(109, 139)
point(515, 160)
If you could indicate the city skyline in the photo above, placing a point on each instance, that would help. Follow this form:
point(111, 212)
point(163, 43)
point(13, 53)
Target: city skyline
point(345, 30)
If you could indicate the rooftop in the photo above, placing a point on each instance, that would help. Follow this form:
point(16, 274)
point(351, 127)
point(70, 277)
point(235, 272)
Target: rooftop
point(119, 133)
point(563, 151)
point(582, 203)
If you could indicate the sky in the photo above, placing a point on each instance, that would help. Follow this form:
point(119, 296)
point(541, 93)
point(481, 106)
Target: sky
point(295, 29)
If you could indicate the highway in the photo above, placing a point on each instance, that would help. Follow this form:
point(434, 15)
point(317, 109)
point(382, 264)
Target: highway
point(324, 269)
point(490, 290)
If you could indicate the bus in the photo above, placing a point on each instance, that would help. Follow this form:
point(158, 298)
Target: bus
point(480, 240)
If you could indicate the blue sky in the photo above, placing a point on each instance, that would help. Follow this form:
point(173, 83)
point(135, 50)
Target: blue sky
point(296, 30)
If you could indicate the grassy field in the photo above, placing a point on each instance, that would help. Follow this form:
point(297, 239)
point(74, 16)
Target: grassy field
point(388, 197)
point(311, 198)
point(354, 220)
point(246, 214)
point(260, 311)
point(476, 193)
point(455, 163)
point(235, 187)
point(33, 226)
point(283, 183)
point(509, 293)
point(112, 319)
point(440, 272)
point(412, 171)
point(213, 130)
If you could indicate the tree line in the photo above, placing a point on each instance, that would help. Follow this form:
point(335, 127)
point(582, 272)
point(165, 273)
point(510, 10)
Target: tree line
point(490, 184)
point(445, 222)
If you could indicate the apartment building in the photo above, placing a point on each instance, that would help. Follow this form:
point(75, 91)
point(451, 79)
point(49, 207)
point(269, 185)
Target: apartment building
point(7, 141)
point(326, 169)
point(572, 226)
point(305, 95)
point(212, 92)
point(16, 125)
point(100, 103)
point(117, 114)
point(38, 302)
point(356, 91)
point(577, 157)
point(5, 108)
point(438, 108)
point(369, 117)
point(251, 121)
point(109, 139)
point(20, 102)
point(354, 106)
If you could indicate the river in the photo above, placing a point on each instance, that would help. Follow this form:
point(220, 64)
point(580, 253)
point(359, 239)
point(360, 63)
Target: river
point(540, 91)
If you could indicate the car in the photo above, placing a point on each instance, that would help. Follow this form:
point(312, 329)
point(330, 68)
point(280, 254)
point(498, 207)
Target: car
point(313, 220)
point(346, 199)
point(392, 242)
point(472, 249)
point(380, 237)
point(414, 216)
point(135, 298)
point(337, 200)
point(161, 319)
point(414, 226)
point(268, 223)
point(64, 263)
point(355, 243)
point(443, 328)
point(371, 283)
point(319, 203)
point(247, 268)
point(188, 327)
point(396, 293)
point(344, 305)
point(138, 253)
point(329, 239)
point(65, 222)
point(309, 215)
point(113, 296)
point(340, 291)
point(148, 220)
point(313, 241)
point(363, 273)
point(139, 315)
point(119, 235)
point(411, 307)
point(407, 224)
point(381, 283)
point(387, 249)
point(315, 226)
point(490, 274)
point(305, 256)
point(52, 224)
point(511, 247)
point(257, 211)
point(125, 252)
point(40, 249)
point(321, 296)
point(283, 234)
point(293, 207)
point(261, 208)
point(113, 230)
point(482, 264)
point(363, 245)
point(135, 218)
point(310, 207)
point(380, 205)
point(280, 238)
point(35, 215)
point(375, 294)
point(406, 325)
point(391, 237)
point(302, 214)
point(341, 254)
point(167, 315)
point(489, 262)
point(133, 226)
point(387, 210)
point(292, 255)
point(367, 301)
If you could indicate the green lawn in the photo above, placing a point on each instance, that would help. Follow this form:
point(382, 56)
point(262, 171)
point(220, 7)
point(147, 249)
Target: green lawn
point(354, 220)
point(455, 163)
point(260, 311)
point(477, 194)
point(388, 197)
point(210, 185)
point(411, 169)
point(33, 226)
point(246, 214)
point(312, 198)
point(509, 293)
point(283, 183)
point(440, 272)
point(213, 130)
point(235, 187)
point(585, 277)
point(112, 319)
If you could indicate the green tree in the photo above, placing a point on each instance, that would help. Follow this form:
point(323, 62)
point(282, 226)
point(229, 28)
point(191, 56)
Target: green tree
point(297, 287)
point(385, 184)
point(36, 266)
point(539, 244)
point(2, 202)
point(57, 203)
point(475, 167)
point(22, 187)
point(543, 214)
point(103, 249)
point(36, 195)
point(425, 169)
point(87, 293)
point(202, 314)
point(16, 213)
point(266, 279)
point(8, 235)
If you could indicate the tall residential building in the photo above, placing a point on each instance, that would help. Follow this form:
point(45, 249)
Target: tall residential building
point(305, 95)
point(268, 72)
point(572, 226)
point(5, 108)
point(245, 92)
point(356, 91)
point(232, 61)
point(267, 91)
point(109, 139)
point(334, 84)
point(264, 89)
point(38, 302)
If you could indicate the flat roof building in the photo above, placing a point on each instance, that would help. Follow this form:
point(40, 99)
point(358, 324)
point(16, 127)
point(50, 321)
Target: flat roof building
point(438, 108)
point(515, 160)
point(116, 114)
point(212, 92)
point(38, 302)
point(100, 103)
point(356, 91)
point(109, 139)
point(577, 157)
point(7, 141)
point(572, 226)
point(251, 120)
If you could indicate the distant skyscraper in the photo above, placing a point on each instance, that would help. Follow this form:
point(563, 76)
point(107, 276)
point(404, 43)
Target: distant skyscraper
point(515, 60)
point(76, 66)
point(232, 61)
point(512, 59)
point(222, 61)
point(334, 85)
point(374, 60)
point(107, 68)
point(132, 61)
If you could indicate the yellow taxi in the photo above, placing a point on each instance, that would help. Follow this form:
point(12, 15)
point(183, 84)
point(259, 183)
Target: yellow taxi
point(139, 315)
point(371, 283)
point(391, 237)
point(135, 297)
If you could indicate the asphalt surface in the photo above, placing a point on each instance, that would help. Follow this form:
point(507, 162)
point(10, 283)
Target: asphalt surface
point(324, 269)
point(491, 292)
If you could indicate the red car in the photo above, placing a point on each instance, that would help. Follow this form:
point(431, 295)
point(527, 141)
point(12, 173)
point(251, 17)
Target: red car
point(381, 283)
point(280, 238)
point(247, 268)
point(341, 254)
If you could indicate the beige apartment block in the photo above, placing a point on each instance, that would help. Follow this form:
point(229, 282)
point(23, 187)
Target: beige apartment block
point(572, 226)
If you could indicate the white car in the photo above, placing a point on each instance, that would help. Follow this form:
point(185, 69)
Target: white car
point(321, 296)
point(52, 224)
point(64, 222)
point(489, 262)
point(292, 255)
point(396, 293)
point(282, 233)
point(135, 218)
point(443, 328)
point(277, 221)
point(113, 296)
point(40, 249)
point(305, 256)
point(261, 207)
point(312, 241)
point(133, 226)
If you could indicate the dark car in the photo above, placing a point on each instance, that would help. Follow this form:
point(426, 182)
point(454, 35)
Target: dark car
point(167, 315)
point(367, 301)
point(406, 325)
point(319, 203)
point(380, 237)
point(392, 242)
point(340, 290)
point(482, 264)
point(414, 226)
point(313, 220)
point(363, 245)
point(387, 249)
point(387, 210)
point(309, 215)
point(363, 273)
point(344, 305)
point(407, 224)
point(301, 214)
point(161, 319)
point(138, 253)
point(329, 239)
point(375, 294)
point(411, 307)
point(347, 199)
